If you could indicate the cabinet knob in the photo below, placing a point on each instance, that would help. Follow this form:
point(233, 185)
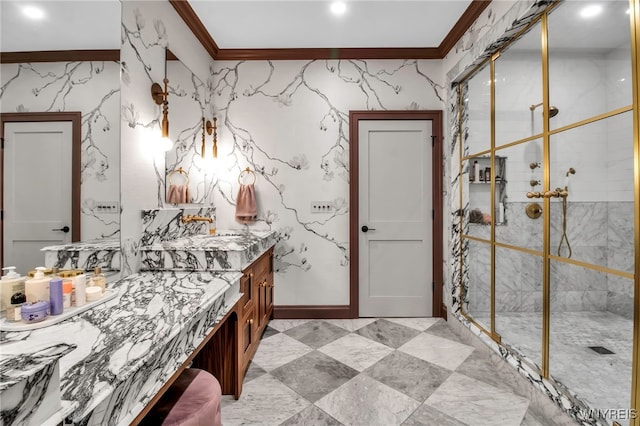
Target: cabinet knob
point(250, 321)
point(251, 275)
point(264, 283)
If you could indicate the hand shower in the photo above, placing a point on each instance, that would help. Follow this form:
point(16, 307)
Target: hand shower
point(565, 194)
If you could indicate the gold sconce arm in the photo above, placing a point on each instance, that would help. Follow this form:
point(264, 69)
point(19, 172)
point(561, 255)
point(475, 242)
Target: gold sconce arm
point(206, 128)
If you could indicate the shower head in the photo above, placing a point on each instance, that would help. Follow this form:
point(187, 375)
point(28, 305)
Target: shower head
point(553, 111)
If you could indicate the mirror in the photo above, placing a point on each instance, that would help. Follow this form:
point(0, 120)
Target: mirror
point(88, 83)
point(189, 102)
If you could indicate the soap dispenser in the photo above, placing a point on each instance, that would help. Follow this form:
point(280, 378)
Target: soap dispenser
point(10, 284)
point(37, 288)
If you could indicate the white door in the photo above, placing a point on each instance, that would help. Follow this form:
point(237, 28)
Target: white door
point(37, 190)
point(395, 204)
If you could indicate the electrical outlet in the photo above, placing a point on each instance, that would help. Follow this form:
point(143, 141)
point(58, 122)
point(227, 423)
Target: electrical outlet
point(107, 207)
point(322, 207)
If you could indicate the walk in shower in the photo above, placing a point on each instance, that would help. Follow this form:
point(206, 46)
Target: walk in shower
point(549, 235)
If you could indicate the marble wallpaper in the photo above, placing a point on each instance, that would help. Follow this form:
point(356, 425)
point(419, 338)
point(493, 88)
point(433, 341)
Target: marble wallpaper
point(93, 88)
point(288, 122)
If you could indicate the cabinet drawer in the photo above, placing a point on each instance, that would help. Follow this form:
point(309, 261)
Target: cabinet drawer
point(248, 337)
point(247, 289)
point(262, 266)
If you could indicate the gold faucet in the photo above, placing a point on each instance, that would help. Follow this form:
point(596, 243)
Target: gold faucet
point(193, 218)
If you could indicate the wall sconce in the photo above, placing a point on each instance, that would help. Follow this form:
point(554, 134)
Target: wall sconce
point(160, 96)
point(208, 128)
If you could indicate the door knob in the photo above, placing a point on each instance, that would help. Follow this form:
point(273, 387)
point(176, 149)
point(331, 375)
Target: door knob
point(64, 229)
point(365, 228)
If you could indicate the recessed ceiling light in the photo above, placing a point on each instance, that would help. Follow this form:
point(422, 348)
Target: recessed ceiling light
point(33, 12)
point(591, 11)
point(338, 7)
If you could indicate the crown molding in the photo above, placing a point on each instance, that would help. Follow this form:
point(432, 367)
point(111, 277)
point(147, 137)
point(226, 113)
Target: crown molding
point(59, 56)
point(196, 26)
point(327, 53)
point(464, 23)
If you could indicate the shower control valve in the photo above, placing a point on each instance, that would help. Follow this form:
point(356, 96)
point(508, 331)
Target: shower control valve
point(534, 195)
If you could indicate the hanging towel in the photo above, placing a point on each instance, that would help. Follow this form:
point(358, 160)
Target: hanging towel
point(178, 194)
point(246, 208)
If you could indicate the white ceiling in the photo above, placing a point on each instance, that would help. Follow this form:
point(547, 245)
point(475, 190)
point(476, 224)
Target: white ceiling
point(95, 24)
point(242, 24)
point(66, 25)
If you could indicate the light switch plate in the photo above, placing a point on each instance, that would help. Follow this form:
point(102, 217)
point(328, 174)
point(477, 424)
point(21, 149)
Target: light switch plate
point(322, 207)
point(107, 207)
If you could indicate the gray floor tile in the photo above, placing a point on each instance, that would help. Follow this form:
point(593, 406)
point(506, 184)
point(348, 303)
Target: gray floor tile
point(426, 415)
point(314, 375)
point(363, 401)
point(311, 416)
point(478, 367)
point(268, 332)
point(316, 333)
point(441, 329)
point(411, 376)
point(388, 333)
point(253, 372)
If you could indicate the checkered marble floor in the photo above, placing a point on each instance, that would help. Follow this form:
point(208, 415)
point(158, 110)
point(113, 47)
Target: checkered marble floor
point(367, 371)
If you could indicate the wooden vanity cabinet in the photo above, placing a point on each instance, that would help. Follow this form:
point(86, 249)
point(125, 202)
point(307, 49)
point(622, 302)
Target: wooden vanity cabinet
point(256, 285)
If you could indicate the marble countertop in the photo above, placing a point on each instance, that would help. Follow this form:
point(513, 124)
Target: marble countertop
point(227, 240)
point(92, 245)
point(86, 255)
point(224, 251)
point(115, 357)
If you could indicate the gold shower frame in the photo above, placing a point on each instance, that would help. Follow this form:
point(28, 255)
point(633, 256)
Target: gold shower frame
point(545, 254)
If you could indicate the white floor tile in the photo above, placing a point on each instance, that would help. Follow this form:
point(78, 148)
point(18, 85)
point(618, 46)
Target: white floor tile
point(356, 351)
point(443, 352)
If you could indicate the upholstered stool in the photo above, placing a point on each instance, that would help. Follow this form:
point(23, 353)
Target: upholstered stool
point(192, 400)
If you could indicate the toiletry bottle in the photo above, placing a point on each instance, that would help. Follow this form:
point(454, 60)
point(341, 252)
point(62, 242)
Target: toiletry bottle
point(476, 172)
point(99, 279)
point(37, 288)
point(55, 295)
point(67, 288)
point(14, 310)
point(472, 172)
point(80, 284)
point(10, 284)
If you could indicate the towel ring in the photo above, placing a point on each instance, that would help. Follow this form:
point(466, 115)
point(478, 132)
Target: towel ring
point(246, 171)
point(182, 172)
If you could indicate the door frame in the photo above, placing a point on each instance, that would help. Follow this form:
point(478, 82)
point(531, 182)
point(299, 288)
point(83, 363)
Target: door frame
point(438, 310)
point(75, 117)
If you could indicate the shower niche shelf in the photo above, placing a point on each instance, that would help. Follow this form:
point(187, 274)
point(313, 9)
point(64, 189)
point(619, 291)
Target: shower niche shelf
point(480, 177)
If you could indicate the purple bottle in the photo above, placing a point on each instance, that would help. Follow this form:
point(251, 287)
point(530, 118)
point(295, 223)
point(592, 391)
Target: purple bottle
point(55, 296)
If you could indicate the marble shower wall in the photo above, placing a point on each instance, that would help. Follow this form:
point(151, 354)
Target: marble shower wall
point(582, 85)
point(93, 88)
point(501, 32)
point(288, 121)
point(148, 27)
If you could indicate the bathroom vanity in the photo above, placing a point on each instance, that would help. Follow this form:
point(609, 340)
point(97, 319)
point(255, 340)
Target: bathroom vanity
point(111, 363)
